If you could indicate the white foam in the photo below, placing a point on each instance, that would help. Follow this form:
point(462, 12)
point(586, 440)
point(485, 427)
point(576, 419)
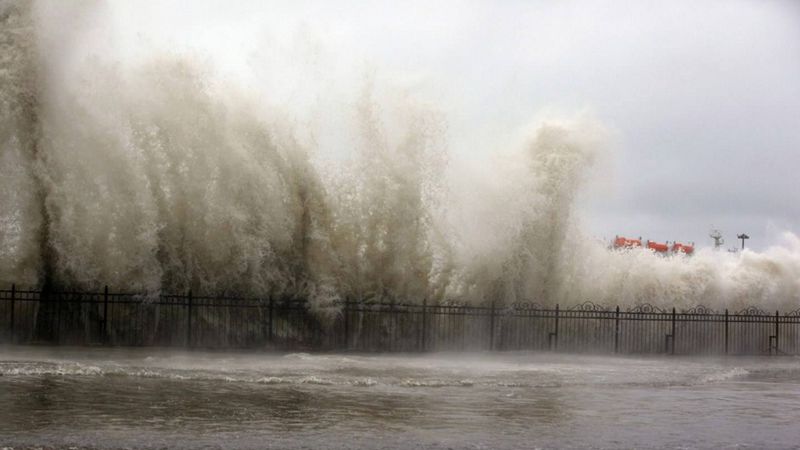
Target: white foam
point(411, 382)
point(156, 174)
point(725, 375)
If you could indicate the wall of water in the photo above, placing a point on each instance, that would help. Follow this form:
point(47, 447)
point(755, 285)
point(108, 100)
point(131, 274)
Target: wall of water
point(157, 174)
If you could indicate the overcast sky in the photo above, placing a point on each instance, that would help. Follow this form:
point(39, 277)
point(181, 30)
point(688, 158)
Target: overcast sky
point(704, 96)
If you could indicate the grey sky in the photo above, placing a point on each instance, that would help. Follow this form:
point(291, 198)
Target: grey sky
point(704, 96)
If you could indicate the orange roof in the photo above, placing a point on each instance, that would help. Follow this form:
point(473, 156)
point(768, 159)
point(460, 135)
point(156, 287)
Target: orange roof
point(624, 242)
point(658, 247)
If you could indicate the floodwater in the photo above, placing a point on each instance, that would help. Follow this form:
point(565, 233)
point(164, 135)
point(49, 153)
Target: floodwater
point(146, 398)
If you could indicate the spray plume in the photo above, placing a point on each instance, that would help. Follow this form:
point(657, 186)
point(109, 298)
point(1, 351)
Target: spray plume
point(159, 176)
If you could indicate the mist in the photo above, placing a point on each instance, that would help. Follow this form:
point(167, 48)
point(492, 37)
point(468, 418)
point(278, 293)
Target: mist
point(158, 159)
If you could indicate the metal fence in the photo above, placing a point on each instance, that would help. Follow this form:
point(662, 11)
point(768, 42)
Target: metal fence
point(122, 319)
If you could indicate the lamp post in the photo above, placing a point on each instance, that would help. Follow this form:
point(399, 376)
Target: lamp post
point(743, 237)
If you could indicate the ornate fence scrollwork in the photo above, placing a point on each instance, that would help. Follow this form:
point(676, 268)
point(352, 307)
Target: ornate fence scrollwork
point(526, 306)
point(589, 306)
point(752, 311)
point(646, 308)
point(699, 309)
point(453, 304)
point(795, 313)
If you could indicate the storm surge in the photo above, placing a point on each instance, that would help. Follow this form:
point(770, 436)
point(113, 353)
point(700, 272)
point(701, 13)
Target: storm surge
point(157, 174)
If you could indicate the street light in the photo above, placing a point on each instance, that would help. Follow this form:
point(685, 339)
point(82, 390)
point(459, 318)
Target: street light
point(743, 237)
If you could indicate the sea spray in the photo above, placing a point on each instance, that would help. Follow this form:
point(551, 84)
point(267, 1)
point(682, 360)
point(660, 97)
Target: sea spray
point(160, 175)
point(21, 201)
point(530, 263)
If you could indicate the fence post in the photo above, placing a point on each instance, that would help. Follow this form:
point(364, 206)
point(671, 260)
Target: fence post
point(672, 347)
point(271, 307)
point(105, 315)
point(11, 326)
point(726, 331)
point(189, 321)
point(556, 337)
point(491, 328)
point(262, 317)
point(616, 331)
point(424, 323)
point(346, 326)
point(553, 336)
point(777, 316)
point(58, 319)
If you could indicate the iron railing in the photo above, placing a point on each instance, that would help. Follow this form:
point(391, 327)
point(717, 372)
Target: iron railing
point(123, 319)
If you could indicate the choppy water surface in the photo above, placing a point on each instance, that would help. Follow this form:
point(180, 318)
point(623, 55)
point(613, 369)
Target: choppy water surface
point(152, 398)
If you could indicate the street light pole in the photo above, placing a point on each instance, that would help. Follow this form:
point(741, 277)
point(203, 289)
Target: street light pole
point(743, 237)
